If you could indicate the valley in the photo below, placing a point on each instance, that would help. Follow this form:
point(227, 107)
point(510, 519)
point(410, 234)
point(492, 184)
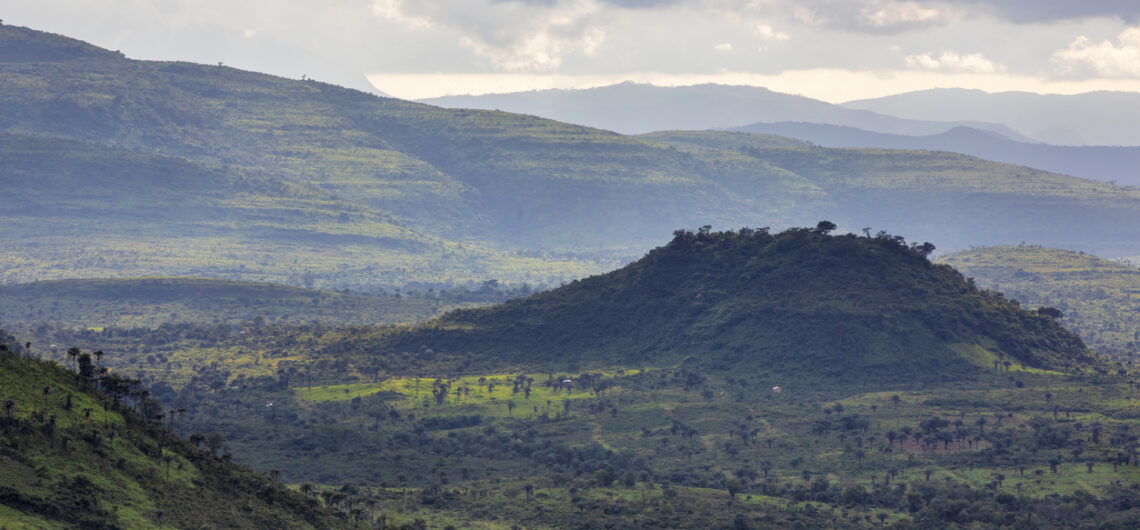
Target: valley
point(236, 299)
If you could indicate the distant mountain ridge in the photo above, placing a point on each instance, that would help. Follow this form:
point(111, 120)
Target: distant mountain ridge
point(633, 108)
point(1094, 118)
point(1103, 163)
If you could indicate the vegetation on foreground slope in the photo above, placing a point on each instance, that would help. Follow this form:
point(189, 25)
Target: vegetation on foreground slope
point(77, 457)
point(1098, 298)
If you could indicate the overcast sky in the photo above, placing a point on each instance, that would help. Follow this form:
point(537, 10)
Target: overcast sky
point(835, 50)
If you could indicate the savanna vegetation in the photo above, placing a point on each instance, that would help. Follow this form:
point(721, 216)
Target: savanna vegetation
point(1096, 298)
point(1001, 421)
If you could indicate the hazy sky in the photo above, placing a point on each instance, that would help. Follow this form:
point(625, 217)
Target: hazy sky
point(835, 50)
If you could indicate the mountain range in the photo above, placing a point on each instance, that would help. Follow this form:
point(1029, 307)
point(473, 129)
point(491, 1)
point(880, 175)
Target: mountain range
point(1114, 164)
point(632, 108)
point(1094, 118)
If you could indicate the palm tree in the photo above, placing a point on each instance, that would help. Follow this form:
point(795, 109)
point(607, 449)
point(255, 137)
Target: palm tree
point(73, 354)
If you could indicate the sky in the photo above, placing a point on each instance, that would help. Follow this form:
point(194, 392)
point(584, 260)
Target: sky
point(834, 50)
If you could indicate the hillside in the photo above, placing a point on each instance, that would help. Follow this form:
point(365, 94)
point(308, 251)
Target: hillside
point(1099, 298)
point(797, 304)
point(75, 458)
point(1115, 164)
point(223, 173)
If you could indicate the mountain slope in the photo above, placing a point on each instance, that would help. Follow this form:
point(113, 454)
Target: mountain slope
point(82, 209)
point(241, 175)
point(800, 304)
point(1115, 164)
point(74, 458)
point(633, 108)
point(1098, 297)
point(1093, 118)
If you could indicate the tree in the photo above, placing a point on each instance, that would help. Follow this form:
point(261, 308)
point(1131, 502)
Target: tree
point(733, 487)
point(9, 407)
point(825, 227)
point(72, 354)
point(766, 467)
point(1050, 312)
point(214, 443)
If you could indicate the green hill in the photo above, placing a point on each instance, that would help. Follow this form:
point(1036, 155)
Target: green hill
point(74, 458)
point(800, 303)
point(1098, 297)
point(211, 169)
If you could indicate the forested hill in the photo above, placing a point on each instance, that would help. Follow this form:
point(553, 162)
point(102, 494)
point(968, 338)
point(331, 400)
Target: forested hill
point(73, 457)
point(799, 303)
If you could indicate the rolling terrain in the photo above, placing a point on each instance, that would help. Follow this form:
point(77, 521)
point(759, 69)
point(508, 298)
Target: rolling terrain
point(116, 167)
point(152, 302)
point(907, 398)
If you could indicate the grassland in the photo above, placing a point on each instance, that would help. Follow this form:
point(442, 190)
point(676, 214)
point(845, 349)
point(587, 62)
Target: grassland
point(1098, 297)
point(152, 302)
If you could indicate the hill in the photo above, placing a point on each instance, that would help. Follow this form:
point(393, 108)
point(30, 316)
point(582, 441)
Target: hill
point(632, 108)
point(1115, 164)
point(1098, 297)
point(797, 304)
point(134, 168)
point(1093, 118)
point(76, 458)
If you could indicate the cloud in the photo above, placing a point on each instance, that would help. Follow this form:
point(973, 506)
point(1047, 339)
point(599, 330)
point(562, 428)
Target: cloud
point(768, 34)
point(898, 14)
point(953, 62)
point(1117, 60)
point(1034, 11)
point(868, 16)
point(514, 35)
point(723, 47)
point(394, 10)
